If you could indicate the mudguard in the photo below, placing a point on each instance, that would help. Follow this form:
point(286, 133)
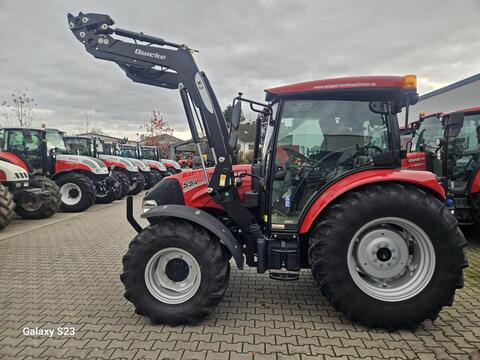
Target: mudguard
point(423, 179)
point(203, 219)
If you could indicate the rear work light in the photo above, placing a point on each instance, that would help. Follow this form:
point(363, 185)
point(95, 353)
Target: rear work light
point(409, 82)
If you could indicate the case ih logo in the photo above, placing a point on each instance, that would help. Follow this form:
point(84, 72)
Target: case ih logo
point(150, 54)
point(416, 159)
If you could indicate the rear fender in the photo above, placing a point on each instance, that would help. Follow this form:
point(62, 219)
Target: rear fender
point(203, 219)
point(423, 179)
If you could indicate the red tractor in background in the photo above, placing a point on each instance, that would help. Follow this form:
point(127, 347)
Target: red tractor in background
point(114, 149)
point(41, 152)
point(448, 144)
point(380, 242)
point(123, 170)
point(157, 169)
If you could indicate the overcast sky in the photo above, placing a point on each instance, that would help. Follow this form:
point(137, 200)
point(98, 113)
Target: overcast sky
point(244, 46)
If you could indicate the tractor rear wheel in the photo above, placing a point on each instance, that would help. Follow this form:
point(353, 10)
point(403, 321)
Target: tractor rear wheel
point(77, 190)
point(175, 272)
point(6, 207)
point(125, 183)
point(46, 209)
point(138, 185)
point(398, 260)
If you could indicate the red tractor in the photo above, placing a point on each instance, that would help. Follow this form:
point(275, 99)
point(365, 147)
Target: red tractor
point(325, 192)
point(42, 153)
point(157, 170)
point(143, 170)
point(122, 170)
point(448, 144)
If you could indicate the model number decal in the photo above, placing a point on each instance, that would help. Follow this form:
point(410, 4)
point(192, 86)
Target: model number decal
point(189, 184)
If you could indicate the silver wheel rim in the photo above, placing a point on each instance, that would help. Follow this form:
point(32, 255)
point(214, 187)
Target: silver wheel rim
point(391, 259)
point(71, 193)
point(161, 286)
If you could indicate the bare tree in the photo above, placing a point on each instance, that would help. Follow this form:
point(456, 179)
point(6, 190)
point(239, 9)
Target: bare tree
point(21, 109)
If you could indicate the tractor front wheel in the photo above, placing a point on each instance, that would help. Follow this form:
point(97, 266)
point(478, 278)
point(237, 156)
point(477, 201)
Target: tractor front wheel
point(109, 192)
point(77, 190)
point(6, 207)
point(175, 272)
point(124, 182)
point(46, 209)
point(157, 175)
point(388, 256)
point(138, 185)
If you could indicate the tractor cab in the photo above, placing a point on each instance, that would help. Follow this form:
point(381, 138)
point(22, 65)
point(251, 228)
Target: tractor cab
point(320, 132)
point(84, 146)
point(450, 143)
point(26, 148)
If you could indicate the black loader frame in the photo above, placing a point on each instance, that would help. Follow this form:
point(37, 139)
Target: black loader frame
point(171, 66)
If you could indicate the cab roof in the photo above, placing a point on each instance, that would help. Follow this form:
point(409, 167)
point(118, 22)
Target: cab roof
point(343, 83)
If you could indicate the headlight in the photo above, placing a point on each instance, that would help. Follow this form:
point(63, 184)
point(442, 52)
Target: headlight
point(148, 204)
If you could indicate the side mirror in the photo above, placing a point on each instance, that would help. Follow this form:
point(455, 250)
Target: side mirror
point(454, 123)
point(236, 115)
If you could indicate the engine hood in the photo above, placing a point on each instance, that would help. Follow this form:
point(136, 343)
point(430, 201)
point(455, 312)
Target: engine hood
point(190, 188)
point(118, 161)
point(13, 172)
point(139, 164)
point(155, 164)
point(171, 163)
point(93, 164)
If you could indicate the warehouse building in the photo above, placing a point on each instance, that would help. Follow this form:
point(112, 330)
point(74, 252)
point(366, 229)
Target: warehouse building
point(460, 95)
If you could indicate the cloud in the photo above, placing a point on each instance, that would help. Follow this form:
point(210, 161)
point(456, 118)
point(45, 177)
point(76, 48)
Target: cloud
point(243, 47)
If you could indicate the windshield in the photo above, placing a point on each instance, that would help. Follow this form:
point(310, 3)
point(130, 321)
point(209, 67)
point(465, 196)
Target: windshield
point(430, 129)
point(129, 151)
point(77, 146)
point(55, 141)
point(28, 144)
point(320, 141)
point(149, 153)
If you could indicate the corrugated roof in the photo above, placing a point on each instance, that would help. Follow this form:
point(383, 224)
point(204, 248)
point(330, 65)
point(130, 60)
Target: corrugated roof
point(450, 87)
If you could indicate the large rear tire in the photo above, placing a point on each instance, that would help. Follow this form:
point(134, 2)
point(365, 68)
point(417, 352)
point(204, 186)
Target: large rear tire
point(6, 207)
point(77, 190)
point(125, 183)
point(138, 185)
point(388, 256)
point(175, 272)
point(47, 209)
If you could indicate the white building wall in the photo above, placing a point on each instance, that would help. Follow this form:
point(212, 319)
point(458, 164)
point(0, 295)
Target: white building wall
point(463, 97)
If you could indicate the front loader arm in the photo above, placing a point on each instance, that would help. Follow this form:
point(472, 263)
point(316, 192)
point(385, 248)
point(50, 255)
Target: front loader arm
point(154, 61)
